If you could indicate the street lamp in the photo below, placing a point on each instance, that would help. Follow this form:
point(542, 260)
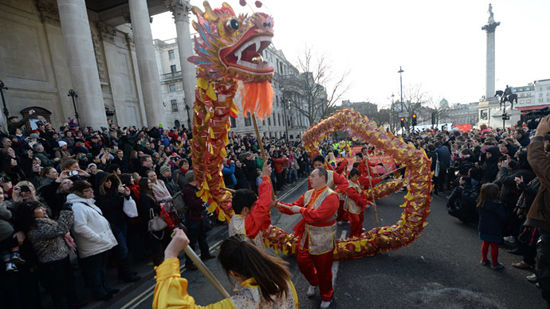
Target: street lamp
point(2, 88)
point(401, 85)
point(285, 101)
point(73, 95)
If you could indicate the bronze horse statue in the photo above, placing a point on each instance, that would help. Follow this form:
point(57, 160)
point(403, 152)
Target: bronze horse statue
point(507, 96)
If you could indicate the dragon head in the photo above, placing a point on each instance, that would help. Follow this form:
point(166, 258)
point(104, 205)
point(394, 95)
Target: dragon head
point(231, 45)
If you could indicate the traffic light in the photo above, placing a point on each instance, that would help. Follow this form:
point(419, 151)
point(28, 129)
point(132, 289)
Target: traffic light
point(413, 119)
point(402, 119)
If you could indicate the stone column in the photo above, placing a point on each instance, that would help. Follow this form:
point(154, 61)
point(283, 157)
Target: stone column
point(490, 58)
point(82, 65)
point(180, 10)
point(147, 65)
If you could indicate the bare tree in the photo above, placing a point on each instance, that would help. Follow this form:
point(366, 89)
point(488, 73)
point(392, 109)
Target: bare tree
point(314, 93)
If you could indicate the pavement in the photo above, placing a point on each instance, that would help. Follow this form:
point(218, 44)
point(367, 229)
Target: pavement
point(440, 269)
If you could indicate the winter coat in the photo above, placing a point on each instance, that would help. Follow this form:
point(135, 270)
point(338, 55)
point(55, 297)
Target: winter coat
point(539, 214)
point(46, 237)
point(229, 175)
point(490, 167)
point(112, 204)
point(6, 228)
point(92, 232)
point(492, 217)
point(194, 204)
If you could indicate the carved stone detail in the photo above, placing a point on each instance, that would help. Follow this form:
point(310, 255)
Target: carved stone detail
point(180, 8)
point(49, 12)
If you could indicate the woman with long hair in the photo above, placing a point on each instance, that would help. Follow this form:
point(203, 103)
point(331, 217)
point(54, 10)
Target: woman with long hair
point(112, 199)
point(265, 280)
point(148, 206)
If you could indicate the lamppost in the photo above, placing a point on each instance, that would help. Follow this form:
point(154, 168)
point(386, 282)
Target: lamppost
point(2, 88)
point(188, 117)
point(73, 95)
point(401, 85)
point(285, 102)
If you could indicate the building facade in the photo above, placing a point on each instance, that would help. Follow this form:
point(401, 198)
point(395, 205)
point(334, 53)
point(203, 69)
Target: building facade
point(103, 50)
point(364, 108)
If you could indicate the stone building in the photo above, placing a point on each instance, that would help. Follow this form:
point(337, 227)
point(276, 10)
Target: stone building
point(103, 50)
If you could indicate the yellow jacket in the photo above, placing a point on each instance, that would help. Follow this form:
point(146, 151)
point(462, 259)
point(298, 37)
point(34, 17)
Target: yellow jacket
point(171, 292)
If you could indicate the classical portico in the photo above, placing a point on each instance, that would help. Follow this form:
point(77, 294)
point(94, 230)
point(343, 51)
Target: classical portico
point(102, 49)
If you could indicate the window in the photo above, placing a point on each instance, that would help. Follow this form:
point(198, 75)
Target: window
point(233, 122)
point(247, 121)
point(269, 121)
point(174, 104)
point(171, 54)
point(173, 68)
point(172, 87)
point(263, 122)
point(279, 116)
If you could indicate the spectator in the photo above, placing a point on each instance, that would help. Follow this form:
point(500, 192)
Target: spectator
point(94, 239)
point(112, 199)
point(52, 243)
point(195, 220)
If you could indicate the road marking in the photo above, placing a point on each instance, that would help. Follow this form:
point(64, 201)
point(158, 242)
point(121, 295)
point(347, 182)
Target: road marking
point(334, 268)
point(138, 300)
point(280, 198)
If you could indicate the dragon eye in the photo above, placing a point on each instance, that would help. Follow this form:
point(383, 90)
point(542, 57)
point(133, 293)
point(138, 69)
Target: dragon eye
point(267, 25)
point(233, 24)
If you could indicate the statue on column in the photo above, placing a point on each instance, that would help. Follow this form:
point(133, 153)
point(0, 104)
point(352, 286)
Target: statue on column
point(491, 15)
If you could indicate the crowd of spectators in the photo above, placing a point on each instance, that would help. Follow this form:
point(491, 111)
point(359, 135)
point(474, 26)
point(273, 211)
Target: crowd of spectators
point(78, 200)
point(463, 162)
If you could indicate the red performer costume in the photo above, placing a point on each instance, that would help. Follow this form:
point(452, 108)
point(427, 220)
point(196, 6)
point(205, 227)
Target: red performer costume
point(336, 182)
point(356, 202)
point(316, 233)
point(258, 219)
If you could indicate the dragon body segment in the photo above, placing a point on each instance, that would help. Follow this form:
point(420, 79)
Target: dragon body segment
point(228, 49)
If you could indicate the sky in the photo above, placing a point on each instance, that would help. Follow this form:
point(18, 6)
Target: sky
point(438, 43)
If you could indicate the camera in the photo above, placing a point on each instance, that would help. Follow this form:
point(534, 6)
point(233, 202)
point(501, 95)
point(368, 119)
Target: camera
point(73, 173)
point(25, 188)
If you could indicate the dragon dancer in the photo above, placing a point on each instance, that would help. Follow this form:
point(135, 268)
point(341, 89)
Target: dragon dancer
point(315, 232)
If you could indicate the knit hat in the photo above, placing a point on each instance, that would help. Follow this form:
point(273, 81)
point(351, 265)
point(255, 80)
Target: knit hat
point(189, 177)
point(92, 164)
point(62, 143)
point(164, 168)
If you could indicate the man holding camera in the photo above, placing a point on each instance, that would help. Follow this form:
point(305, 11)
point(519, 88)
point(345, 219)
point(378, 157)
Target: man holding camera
point(539, 214)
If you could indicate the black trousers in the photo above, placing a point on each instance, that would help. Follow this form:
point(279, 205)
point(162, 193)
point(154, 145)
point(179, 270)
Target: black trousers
point(57, 278)
point(93, 269)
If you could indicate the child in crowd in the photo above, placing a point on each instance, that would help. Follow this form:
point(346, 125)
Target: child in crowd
point(10, 247)
point(491, 222)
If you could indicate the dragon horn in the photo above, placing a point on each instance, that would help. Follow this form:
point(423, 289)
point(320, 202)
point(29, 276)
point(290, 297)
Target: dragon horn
point(226, 5)
point(210, 15)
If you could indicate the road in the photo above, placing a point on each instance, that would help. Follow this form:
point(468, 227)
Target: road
point(438, 270)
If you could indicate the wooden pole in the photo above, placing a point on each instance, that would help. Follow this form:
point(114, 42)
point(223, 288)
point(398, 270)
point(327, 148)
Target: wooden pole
point(259, 138)
point(372, 191)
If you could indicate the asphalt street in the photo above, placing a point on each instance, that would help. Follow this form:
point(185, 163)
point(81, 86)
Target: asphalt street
point(440, 269)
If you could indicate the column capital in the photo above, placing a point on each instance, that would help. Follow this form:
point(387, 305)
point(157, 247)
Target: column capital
point(491, 27)
point(180, 9)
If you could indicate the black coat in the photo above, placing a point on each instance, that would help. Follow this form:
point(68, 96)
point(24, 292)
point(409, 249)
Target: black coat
point(492, 218)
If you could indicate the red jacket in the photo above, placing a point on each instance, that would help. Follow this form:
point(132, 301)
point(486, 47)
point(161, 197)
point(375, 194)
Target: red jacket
point(359, 199)
point(315, 217)
point(278, 164)
point(259, 217)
